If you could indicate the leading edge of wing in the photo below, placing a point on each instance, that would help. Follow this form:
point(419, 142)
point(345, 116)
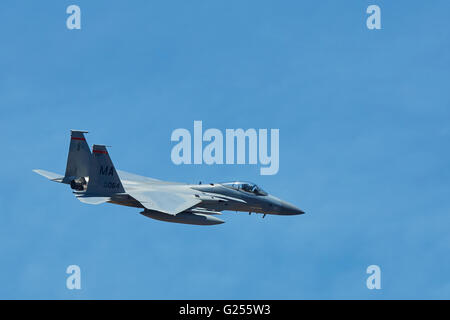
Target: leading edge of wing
point(163, 201)
point(131, 178)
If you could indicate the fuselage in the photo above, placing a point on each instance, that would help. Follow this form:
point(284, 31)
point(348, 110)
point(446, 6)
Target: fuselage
point(216, 197)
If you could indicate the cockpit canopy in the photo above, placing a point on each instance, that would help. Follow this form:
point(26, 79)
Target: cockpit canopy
point(246, 186)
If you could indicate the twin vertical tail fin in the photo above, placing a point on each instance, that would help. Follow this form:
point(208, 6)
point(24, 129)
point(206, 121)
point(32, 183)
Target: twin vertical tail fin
point(79, 158)
point(78, 163)
point(91, 175)
point(103, 177)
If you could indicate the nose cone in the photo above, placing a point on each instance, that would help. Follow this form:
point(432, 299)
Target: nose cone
point(289, 209)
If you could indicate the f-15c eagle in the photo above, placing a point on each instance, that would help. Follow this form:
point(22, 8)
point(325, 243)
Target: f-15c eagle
point(94, 180)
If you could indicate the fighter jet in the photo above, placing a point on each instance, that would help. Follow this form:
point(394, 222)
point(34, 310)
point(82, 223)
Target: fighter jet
point(94, 180)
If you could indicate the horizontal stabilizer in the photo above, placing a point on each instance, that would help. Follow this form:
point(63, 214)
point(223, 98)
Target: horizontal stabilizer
point(50, 175)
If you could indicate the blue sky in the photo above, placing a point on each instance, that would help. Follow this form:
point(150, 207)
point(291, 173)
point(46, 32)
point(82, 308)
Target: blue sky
point(363, 118)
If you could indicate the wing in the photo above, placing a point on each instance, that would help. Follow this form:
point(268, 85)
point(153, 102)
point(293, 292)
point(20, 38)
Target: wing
point(164, 201)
